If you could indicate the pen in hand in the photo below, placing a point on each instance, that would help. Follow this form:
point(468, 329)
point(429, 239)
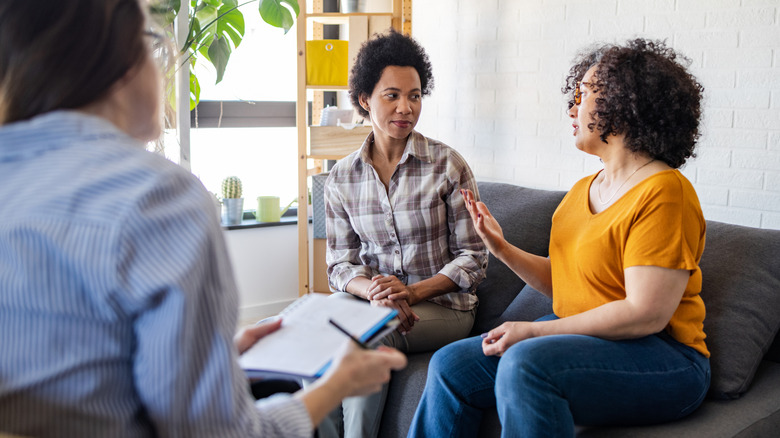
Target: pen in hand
point(343, 330)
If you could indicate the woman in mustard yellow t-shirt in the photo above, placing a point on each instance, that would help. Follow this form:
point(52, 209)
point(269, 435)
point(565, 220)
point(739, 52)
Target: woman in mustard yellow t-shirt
point(625, 344)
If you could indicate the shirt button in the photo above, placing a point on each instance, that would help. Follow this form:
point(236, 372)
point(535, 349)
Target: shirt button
point(398, 271)
point(397, 252)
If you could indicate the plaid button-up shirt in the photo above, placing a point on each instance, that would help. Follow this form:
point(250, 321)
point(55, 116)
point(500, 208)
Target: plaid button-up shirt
point(416, 228)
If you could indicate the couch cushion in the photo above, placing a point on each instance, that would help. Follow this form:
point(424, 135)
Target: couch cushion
point(741, 291)
point(406, 387)
point(774, 351)
point(756, 415)
point(525, 216)
point(528, 305)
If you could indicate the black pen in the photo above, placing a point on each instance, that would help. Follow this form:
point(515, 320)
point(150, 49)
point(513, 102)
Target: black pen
point(343, 330)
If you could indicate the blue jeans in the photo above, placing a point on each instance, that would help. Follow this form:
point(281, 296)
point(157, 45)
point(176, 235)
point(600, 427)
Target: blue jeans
point(543, 386)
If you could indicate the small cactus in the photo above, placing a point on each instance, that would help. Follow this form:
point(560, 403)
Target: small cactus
point(231, 187)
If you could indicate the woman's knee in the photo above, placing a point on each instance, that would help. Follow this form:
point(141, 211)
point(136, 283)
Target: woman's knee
point(526, 360)
point(451, 356)
point(462, 369)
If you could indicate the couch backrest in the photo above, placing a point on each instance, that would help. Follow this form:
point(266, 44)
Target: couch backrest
point(525, 216)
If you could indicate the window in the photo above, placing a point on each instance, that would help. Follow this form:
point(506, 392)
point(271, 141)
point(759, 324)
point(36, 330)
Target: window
point(245, 125)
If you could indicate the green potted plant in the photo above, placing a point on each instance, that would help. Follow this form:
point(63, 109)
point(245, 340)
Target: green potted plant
point(232, 202)
point(216, 28)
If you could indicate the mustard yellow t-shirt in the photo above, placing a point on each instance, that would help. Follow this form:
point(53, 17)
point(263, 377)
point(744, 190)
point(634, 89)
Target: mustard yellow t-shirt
point(658, 222)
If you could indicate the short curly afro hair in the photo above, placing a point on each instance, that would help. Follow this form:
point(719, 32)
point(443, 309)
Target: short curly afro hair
point(381, 51)
point(646, 93)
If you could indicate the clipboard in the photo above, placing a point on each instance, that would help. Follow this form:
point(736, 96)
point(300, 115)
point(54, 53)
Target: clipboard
point(305, 345)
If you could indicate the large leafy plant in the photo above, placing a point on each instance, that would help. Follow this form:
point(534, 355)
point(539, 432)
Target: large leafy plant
point(216, 28)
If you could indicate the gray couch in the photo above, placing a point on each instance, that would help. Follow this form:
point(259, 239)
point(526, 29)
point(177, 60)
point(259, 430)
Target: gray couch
point(741, 289)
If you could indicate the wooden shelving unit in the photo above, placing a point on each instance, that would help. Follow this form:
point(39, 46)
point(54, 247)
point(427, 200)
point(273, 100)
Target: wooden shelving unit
point(317, 143)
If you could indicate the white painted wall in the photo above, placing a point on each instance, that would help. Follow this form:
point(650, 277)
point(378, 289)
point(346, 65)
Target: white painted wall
point(499, 66)
point(265, 264)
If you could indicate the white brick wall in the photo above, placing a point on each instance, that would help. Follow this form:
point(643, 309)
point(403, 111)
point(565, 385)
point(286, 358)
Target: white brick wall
point(499, 67)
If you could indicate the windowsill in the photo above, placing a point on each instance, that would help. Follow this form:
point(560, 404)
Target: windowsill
point(290, 217)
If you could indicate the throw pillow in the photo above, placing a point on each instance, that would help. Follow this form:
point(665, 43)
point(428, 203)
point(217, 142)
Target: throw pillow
point(741, 291)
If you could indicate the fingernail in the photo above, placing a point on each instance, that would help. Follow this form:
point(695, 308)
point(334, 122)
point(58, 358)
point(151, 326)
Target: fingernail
point(479, 216)
point(484, 335)
point(269, 319)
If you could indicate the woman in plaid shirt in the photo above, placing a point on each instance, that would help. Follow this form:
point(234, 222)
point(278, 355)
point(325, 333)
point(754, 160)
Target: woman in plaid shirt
point(399, 234)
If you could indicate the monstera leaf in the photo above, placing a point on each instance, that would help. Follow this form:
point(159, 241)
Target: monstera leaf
point(224, 24)
point(277, 15)
point(216, 28)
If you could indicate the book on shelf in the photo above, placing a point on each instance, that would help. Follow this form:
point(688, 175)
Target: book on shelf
point(306, 343)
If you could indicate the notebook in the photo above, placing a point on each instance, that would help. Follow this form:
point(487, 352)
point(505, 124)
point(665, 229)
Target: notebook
point(306, 343)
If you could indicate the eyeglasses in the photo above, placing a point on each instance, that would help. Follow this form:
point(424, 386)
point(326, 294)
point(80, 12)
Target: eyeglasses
point(161, 49)
point(578, 92)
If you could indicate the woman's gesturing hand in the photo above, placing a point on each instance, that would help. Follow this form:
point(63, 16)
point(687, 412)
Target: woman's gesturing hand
point(486, 225)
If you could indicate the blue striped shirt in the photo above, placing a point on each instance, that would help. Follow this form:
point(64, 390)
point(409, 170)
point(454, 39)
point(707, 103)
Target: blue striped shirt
point(117, 299)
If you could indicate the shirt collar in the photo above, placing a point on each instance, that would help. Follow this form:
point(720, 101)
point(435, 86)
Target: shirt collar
point(52, 130)
point(416, 146)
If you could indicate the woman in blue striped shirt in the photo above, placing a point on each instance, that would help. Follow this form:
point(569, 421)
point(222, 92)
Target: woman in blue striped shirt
point(117, 302)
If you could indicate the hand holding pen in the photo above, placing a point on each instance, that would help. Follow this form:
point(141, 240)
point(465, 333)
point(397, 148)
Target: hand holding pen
point(343, 330)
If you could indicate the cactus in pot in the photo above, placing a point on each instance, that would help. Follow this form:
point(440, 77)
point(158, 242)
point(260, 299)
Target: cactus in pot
point(231, 187)
point(232, 202)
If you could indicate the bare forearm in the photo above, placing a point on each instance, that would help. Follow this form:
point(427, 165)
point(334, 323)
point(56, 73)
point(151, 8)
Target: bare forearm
point(533, 269)
point(431, 287)
point(437, 285)
point(357, 372)
point(358, 286)
point(653, 294)
point(321, 399)
point(616, 320)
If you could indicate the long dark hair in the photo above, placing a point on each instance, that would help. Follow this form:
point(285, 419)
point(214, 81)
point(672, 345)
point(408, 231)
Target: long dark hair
point(59, 54)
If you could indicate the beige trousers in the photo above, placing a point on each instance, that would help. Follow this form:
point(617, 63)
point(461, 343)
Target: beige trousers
point(437, 327)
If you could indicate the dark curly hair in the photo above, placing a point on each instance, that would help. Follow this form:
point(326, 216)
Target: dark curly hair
point(646, 93)
point(381, 51)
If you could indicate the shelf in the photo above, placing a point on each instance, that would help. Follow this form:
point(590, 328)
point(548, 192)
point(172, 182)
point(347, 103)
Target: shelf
point(327, 87)
point(338, 18)
point(316, 143)
point(334, 142)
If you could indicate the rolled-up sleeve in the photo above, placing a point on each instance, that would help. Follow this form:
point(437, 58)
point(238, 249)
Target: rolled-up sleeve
point(343, 243)
point(467, 268)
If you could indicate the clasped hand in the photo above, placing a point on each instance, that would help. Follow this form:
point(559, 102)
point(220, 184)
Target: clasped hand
point(389, 291)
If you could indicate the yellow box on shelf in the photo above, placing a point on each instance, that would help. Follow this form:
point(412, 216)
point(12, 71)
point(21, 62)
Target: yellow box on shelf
point(334, 142)
point(327, 62)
